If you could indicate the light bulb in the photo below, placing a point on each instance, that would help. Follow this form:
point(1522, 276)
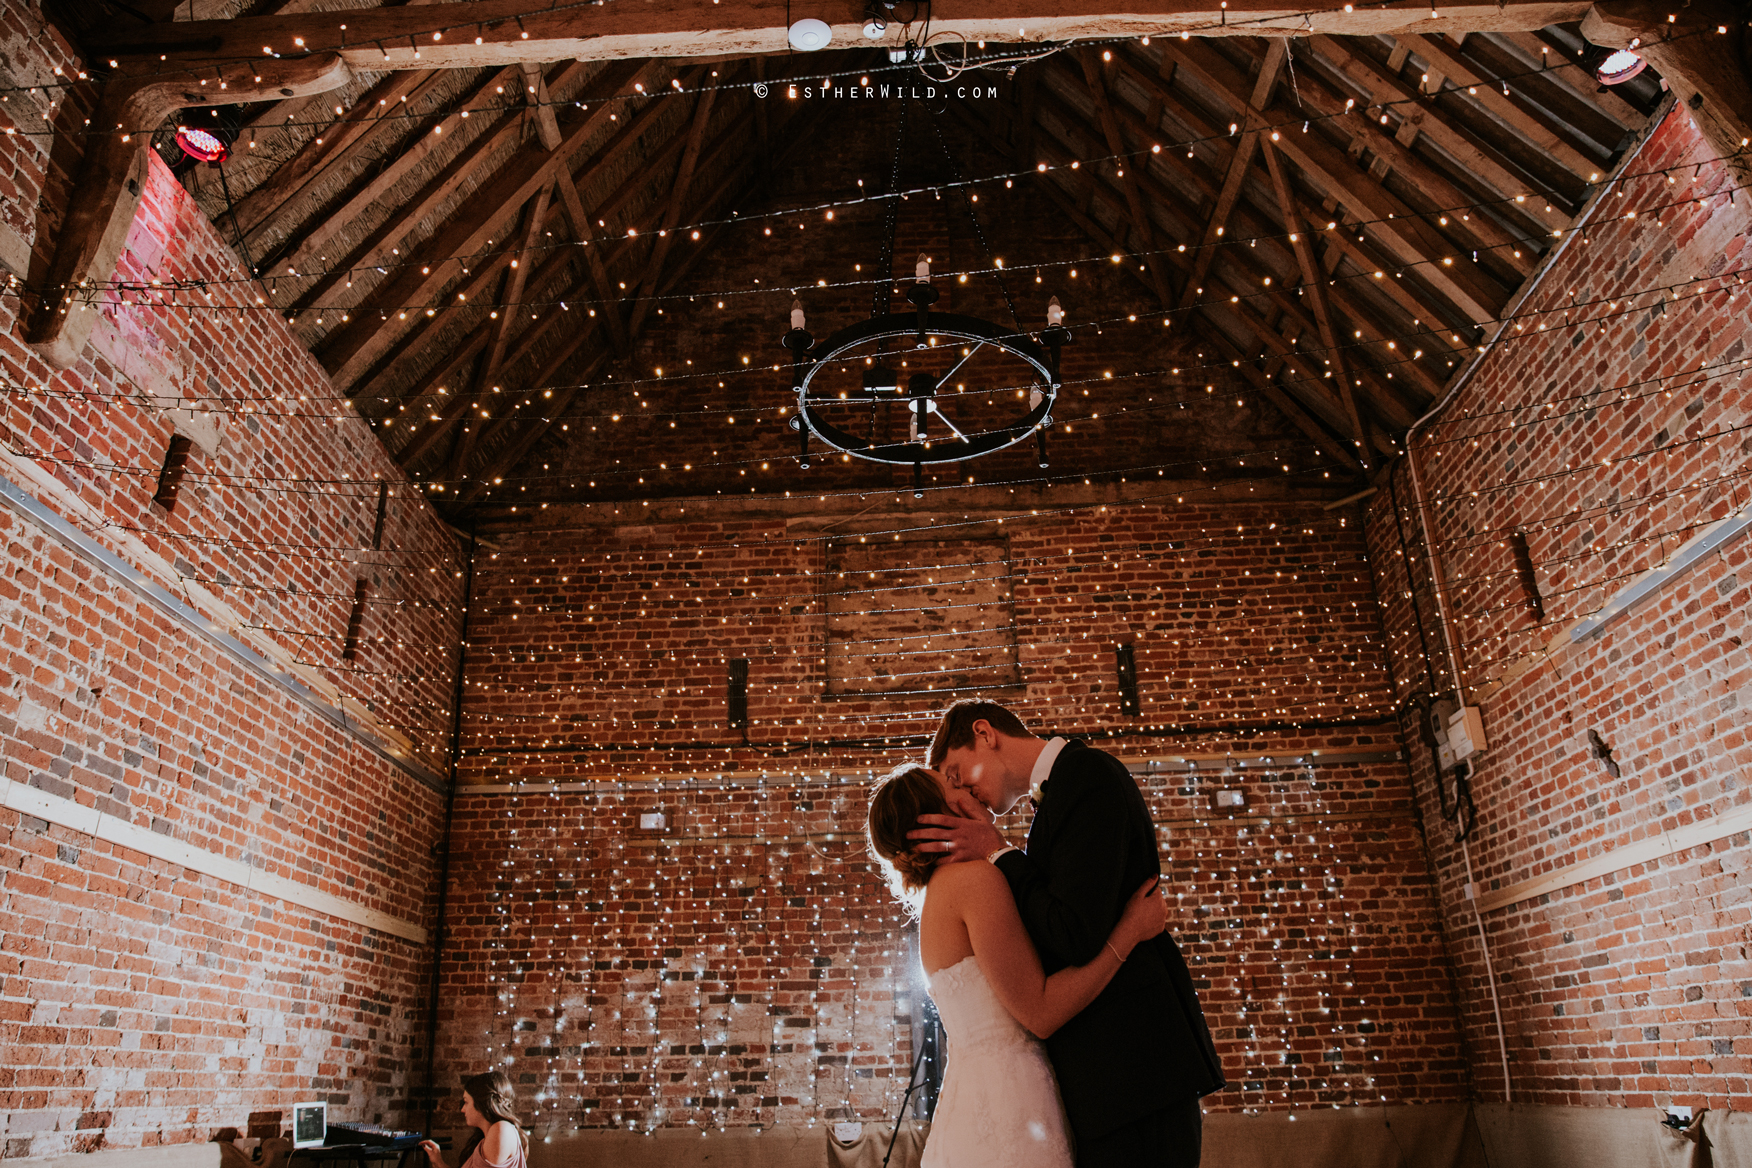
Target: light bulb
point(796, 314)
point(1055, 315)
point(923, 271)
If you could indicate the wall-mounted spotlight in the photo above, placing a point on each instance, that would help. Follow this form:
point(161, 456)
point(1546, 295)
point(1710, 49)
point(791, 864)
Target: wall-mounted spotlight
point(1619, 67)
point(202, 145)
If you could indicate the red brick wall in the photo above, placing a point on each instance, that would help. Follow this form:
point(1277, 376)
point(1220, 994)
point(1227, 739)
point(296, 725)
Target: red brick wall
point(142, 1002)
point(1609, 428)
point(748, 967)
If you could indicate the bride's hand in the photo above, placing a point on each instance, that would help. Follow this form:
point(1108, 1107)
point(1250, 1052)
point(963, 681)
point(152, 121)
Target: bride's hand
point(1145, 916)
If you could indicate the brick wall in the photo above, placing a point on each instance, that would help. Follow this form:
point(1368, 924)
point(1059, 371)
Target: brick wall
point(1608, 428)
point(748, 967)
point(140, 1001)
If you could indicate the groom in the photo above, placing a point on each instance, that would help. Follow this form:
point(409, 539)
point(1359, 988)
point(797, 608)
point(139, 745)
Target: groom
point(1132, 1066)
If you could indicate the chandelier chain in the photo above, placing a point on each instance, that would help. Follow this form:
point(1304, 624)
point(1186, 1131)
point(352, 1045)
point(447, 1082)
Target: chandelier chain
point(967, 205)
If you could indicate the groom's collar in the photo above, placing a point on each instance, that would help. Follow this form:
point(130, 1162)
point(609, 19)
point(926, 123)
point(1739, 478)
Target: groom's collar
point(1043, 767)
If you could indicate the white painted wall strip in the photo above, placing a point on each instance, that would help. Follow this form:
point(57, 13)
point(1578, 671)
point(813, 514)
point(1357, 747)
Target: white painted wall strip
point(90, 821)
point(1657, 847)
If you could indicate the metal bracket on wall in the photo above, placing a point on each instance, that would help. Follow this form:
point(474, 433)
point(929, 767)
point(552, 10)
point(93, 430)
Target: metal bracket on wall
point(1649, 583)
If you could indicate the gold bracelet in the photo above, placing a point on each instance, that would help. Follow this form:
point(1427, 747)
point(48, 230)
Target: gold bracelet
point(1115, 952)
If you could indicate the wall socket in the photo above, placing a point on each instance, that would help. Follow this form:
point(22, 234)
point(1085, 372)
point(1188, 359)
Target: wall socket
point(1228, 800)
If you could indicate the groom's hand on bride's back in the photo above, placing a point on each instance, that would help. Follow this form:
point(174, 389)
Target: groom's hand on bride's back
point(968, 834)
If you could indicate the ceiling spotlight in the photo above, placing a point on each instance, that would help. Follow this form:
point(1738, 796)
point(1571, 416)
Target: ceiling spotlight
point(203, 134)
point(1619, 67)
point(809, 34)
point(201, 145)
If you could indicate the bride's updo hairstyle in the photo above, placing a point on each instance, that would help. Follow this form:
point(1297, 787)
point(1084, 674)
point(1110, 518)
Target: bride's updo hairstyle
point(896, 802)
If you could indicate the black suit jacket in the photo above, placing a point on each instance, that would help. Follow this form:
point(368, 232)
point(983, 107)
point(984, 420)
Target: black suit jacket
point(1143, 1043)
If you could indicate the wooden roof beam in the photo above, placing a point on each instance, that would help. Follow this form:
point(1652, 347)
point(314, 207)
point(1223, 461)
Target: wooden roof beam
point(1388, 404)
point(1503, 247)
point(1542, 47)
point(381, 106)
point(1239, 162)
point(509, 303)
point(426, 431)
point(684, 171)
point(1490, 167)
point(535, 93)
point(1402, 229)
point(1284, 403)
point(1416, 308)
point(1245, 210)
point(383, 239)
point(1517, 114)
point(1314, 279)
point(452, 408)
point(572, 202)
point(507, 457)
point(1128, 171)
point(505, 32)
point(467, 232)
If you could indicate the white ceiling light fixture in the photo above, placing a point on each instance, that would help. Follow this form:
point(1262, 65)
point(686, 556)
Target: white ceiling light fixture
point(810, 34)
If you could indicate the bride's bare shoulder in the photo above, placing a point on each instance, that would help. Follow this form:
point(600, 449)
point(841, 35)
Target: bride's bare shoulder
point(972, 878)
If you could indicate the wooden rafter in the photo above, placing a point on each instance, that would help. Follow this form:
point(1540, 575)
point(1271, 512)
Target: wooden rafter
point(1252, 262)
point(442, 415)
point(683, 179)
point(1283, 402)
point(433, 394)
point(1472, 154)
point(381, 106)
point(384, 239)
point(535, 93)
point(572, 202)
point(1516, 113)
point(1236, 174)
point(1478, 230)
point(509, 303)
point(466, 233)
point(533, 428)
point(1314, 281)
point(1541, 46)
point(504, 32)
point(382, 376)
point(1128, 169)
point(1399, 227)
point(1199, 127)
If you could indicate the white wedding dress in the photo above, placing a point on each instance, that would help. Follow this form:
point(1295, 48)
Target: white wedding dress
point(999, 1107)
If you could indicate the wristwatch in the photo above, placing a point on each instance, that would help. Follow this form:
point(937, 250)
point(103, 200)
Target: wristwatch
point(992, 856)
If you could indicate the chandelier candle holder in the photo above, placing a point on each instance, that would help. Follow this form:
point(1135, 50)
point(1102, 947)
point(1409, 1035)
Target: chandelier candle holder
point(986, 387)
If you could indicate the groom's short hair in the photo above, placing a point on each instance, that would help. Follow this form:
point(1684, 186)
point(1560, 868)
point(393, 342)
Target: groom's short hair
point(956, 729)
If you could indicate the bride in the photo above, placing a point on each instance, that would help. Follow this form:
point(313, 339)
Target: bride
point(1000, 1103)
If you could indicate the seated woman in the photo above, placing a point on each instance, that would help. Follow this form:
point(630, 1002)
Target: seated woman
point(1000, 1103)
point(497, 1140)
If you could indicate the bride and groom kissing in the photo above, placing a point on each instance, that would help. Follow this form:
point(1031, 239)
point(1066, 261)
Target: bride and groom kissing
point(1062, 942)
